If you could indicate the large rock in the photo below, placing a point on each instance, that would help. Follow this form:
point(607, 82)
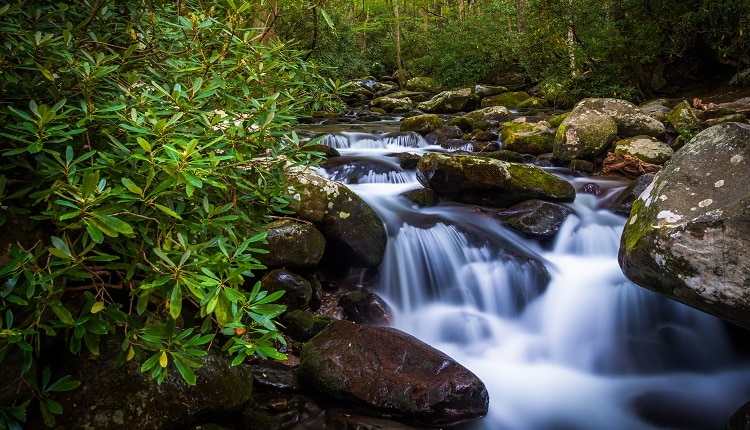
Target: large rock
point(292, 244)
point(392, 372)
point(454, 101)
point(354, 232)
point(422, 124)
point(594, 124)
point(536, 218)
point(683, 118)
point(297, 290)
point(585, 133)
point(527, 138)
point(423, 83)
point(646, 148)
point(688, 235)
point(490, 182)
point(389, 104)
point(112, 397)
point(513, 99)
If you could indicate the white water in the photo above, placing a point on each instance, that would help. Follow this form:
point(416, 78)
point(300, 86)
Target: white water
point(578, 348)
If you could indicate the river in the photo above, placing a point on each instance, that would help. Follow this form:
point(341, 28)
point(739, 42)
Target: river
point(557, 333)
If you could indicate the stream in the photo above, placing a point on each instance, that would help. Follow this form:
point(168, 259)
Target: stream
point(557, 333)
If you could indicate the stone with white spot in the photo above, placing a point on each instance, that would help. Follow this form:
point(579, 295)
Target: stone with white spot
point(688, 236)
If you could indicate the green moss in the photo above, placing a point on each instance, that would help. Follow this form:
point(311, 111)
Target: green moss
point(465, 123)
point(422, 124)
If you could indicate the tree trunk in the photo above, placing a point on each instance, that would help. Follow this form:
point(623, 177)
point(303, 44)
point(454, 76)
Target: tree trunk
point(399, 62)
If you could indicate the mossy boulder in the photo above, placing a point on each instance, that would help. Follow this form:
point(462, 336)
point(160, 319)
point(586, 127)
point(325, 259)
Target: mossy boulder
point(488, 90)
point(683, 119)
point(462, 99)
point(464, 122)
point(423, 84)
point(527, 138)
point(491, 113)
point(511, 99)
point(489, 182)
point(390, 373)
point(585, 133)
point(630, 120)
point(366, 307)
point(422, 196)
point(688, 234)
point(422, 124)
point(389, 104)
point(292, 244)
point(646, 148)
point(354, 232)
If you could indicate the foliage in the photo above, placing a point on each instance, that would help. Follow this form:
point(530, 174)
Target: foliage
point(152, 145)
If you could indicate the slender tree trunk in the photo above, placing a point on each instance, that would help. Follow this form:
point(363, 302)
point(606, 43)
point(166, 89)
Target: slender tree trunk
point(571, 42)
point(399, 62)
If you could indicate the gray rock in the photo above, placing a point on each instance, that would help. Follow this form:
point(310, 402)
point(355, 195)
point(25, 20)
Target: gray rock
point(646, 148)
point(536, 218)
point(585, 133)
point(688, 235)
point(453, 101)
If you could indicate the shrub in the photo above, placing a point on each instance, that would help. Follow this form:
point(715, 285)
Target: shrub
point(153, 144)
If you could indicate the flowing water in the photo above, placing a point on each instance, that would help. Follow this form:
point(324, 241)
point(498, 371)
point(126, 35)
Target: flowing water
point(559, 336)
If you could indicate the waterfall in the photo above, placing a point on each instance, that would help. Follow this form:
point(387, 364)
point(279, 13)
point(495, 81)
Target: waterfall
point(559, 336)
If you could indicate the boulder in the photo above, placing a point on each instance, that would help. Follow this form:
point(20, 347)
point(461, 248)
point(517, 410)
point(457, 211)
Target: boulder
point(488, 90)
point(683, 118)
point(112, 397)
point(292, 244)
point(422, 196)
point(389, 104)
point(585, 133)
point(423, 84)
point(646, 148)
point(527, 138)
point(535, 218)
point(354, 232)
point(304, 325)
point(366, 307)
point(688, 235)
point(453, 101)
point(625, 201)
point(489, 182)
point(512, 99)
point(391, 372)
point(298, 290)
point(630, 120)
point(422, 124)
point(491, 113)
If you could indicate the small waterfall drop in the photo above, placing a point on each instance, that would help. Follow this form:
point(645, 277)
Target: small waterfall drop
point(559, 336)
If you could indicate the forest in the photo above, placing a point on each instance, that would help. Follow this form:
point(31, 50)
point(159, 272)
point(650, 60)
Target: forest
point(146, 144)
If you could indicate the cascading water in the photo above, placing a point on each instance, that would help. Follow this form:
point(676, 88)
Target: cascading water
point(559, 336)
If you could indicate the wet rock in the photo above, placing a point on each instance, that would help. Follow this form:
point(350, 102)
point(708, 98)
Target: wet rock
point(392, 372)
point(482, 145)
point(625, 203)
point(646, 148)
point(463, 122)
point(443, 134)
point(354, 232)
point(271, 375)
point(583, 166)
point(484, 136)
point(366, 307)
point(422, 124)
point(357, 171)
point(527, 138)
point(740, 420)
point(591, 188)
point(408, 161)
point(492, 113)
point(535, 218)
point(504, 155)
point(304, 325)
point(298, 290)
point(453, 101)
point(339, 419)
point(510, 100)
point(688, 235)
point(490, 182)
point(422, 196)
point(113, 397)
point(292, 244)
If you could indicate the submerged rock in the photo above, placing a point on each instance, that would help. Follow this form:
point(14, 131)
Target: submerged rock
point(536, 218)
point(490, 182)
point(688, 235)
point(389, 371)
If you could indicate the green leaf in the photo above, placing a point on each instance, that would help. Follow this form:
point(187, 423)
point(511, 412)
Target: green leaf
point(168, 211)
point(175, 302)
point(94, 232)
point(185, 371)
point(114, 223)
point(131, 186)
point(61, 246)
point(62, 313)
point(64, 384)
